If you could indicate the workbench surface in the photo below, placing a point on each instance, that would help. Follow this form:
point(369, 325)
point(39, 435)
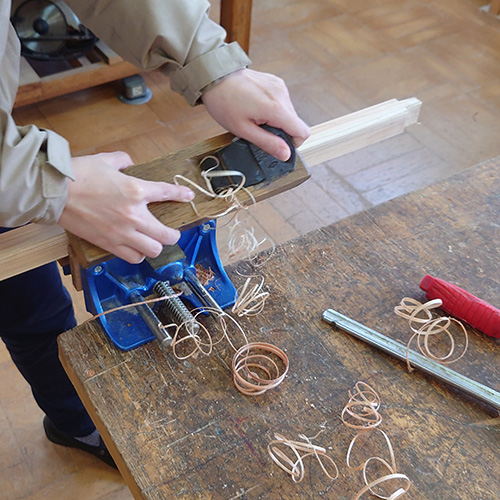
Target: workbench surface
point(180, 429)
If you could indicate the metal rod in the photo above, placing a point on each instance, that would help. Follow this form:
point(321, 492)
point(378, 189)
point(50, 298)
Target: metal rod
point(399, 351)
point(199, 290)
point(151, 320)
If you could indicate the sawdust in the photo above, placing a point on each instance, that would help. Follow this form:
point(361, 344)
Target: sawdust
point(204, 275)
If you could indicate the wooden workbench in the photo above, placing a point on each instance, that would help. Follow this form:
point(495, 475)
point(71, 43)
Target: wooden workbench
point(181, 430)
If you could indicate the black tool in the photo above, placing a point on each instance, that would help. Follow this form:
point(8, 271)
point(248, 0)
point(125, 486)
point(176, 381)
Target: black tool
point(256, 165)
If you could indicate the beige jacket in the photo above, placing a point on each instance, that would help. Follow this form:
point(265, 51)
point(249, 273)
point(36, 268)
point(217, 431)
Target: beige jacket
point(176, 36)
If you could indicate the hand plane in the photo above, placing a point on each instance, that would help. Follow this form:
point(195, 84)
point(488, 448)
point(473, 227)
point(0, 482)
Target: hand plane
point(193, 265)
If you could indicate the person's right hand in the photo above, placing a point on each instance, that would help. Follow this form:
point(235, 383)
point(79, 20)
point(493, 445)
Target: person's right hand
point(109, 209)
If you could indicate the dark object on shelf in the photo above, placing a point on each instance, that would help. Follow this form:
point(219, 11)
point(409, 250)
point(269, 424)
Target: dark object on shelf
point(50, 31)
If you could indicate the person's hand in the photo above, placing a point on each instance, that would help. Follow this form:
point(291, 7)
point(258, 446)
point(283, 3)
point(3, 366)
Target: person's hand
point(109, 209)
point(245, 99)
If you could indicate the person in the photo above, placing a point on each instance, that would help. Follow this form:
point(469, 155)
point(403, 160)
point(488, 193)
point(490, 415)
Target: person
point(41, 182)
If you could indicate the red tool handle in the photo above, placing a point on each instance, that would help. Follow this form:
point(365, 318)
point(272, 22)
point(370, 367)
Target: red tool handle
point(463, 305)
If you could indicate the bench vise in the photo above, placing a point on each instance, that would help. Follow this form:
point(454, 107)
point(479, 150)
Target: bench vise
point(193, 265)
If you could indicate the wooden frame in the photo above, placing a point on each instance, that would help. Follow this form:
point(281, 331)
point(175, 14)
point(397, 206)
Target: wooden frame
point(108, 67)
point(31, 246)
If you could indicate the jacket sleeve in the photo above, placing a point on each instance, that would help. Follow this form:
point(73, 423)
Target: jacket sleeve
point(35, 164)
point(176, 36)
point(34, 169)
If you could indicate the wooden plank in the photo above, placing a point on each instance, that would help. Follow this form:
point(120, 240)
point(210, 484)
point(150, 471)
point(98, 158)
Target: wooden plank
point(359, 129)
point(109, 55)
point(29, 247)
point(181, 427)
point(328, 140)
point(235, 18)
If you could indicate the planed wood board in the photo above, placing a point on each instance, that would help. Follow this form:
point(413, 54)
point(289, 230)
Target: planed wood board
point(359, 129)
point(328, 140)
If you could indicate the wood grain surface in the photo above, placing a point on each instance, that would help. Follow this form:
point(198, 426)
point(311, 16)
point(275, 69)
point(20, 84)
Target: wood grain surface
point(180, 429)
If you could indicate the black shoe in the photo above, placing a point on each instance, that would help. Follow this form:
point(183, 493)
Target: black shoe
point(57, 437)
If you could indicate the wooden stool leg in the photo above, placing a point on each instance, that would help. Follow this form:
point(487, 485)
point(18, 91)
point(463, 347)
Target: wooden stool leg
point(495, 7)
point(235, 18)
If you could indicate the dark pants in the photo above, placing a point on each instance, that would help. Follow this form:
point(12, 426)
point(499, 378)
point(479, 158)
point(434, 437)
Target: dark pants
point(34, 309)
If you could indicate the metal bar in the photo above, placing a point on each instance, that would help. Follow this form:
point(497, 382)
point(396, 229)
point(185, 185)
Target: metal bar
point(399, 351)
point(199, 290)
point(151, 320)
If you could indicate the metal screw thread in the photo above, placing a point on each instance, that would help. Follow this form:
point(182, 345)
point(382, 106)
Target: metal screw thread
point(174, 305)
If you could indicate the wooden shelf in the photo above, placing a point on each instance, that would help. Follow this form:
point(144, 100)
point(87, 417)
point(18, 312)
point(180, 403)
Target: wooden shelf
point(98, 66)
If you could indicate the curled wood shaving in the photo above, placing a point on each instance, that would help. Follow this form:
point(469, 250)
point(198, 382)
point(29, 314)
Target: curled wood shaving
point(255, 370)
point(243, 243)
point(228, 194)
point(257, 366)
point(424, 327)
point(251, 299)
point(295, 466)
point(361, 412)
point(367, 432)
point(188, 333)
point(362, 408)
point(205, 275)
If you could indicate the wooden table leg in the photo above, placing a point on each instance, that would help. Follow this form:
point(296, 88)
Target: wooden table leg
point(235, 18)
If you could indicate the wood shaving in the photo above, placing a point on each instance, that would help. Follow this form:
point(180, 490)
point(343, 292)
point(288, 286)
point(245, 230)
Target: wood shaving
point(243, 243)
point(295, 466)
point(251, 299)
point(190, 330)
point(256, 370)
point(424, 327)
point(228, 194)
point(192, 336)
point(257, 366)
point(361, 412)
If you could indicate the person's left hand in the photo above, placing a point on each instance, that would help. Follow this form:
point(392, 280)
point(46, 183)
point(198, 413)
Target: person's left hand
point(245, 99)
